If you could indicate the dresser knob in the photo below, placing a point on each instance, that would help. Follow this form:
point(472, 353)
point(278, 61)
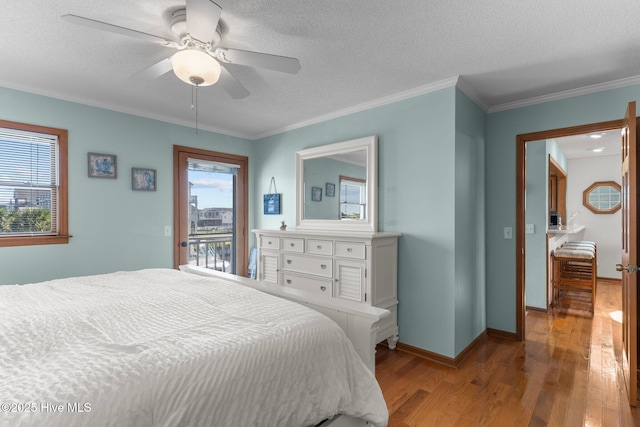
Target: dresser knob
point(288, 261)
point(288, 281)
point(349, 250)
point(319, 246)
point(323, 288)
point(293, 244)
point(323, 266)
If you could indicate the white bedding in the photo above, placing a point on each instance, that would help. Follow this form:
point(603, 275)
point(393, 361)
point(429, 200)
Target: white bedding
point(162, 347)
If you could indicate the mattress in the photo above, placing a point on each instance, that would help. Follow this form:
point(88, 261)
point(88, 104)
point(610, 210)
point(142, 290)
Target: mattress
point(160, 347)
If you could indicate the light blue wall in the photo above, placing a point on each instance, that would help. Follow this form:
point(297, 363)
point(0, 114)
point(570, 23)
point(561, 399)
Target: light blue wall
point(418, 174)
point(113, 227)
point(469, 268)
point(536, 213)
point(502, 129)
point(554, 150)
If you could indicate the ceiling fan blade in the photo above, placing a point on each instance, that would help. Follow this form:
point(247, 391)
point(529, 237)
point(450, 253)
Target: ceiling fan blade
point(154, 71)
point(202, 19)
point(103, 26)
point(260, 60)
point(231, 85)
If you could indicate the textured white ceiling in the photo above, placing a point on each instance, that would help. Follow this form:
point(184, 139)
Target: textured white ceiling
point(352, 53)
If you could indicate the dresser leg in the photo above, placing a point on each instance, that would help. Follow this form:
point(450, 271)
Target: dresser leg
point(392, 341)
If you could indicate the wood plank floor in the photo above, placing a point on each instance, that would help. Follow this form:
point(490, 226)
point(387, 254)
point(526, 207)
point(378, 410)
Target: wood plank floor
point(566, 373)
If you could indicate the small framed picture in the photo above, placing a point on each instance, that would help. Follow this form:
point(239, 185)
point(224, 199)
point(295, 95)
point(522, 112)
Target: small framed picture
point(316, 194)
point(143, 179)
point(102, 165)
point(272, 204)
point(330, 191)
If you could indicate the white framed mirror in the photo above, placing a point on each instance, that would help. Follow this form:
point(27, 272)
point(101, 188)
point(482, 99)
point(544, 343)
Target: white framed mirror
point(337, 186)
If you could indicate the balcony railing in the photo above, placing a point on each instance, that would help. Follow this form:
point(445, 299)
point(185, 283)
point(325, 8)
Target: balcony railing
point(214, 251)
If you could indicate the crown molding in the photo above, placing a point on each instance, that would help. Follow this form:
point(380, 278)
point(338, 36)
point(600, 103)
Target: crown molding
point(469, 90)
point(118, 109)
point(400, 96)
point(585, 90)
point(458, 81)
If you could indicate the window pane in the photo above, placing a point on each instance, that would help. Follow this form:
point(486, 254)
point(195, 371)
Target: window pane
point(28, 183)
point(25, 163)
point(353, 198)
point(212, 223)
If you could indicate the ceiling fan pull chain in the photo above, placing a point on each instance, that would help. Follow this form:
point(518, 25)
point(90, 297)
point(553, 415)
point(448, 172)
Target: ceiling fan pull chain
point(196, 109)
point(194, 102)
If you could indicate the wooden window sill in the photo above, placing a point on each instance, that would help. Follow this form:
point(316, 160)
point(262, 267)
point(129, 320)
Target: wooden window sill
point(35, 240)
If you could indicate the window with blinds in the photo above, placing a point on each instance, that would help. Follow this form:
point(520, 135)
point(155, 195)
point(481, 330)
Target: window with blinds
point(30, 184)
point(353, 198)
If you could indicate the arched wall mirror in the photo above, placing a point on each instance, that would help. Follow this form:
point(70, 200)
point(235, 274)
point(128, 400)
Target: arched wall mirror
point(602, 197)
point(336, 186)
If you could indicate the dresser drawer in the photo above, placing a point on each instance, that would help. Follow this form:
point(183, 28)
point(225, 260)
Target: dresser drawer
point(270, 242)
point(292, 245)
point(308, 284)
point(309, 265)
point(350, 250)
point(319, 247)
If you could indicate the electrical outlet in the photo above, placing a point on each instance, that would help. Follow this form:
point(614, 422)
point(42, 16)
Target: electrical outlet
point(529, 229)
point(167, 231)
point(508, 233)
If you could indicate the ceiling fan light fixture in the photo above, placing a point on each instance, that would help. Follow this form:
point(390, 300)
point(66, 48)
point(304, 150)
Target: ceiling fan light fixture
point(195, 67)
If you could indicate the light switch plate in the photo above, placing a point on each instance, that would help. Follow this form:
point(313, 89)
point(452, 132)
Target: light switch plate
point(529, 229)
point(167, 231)
point(508, 233)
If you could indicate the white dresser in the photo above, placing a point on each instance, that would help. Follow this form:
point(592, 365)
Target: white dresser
point(359, 267)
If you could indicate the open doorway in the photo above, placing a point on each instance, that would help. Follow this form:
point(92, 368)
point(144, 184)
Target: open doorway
point(210, 210)
point(630, 205)
point(564, 177)
point(521, 203)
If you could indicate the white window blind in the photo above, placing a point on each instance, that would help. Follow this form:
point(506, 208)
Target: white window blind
point(212, 167)
point(28, 183)
point(353, 199)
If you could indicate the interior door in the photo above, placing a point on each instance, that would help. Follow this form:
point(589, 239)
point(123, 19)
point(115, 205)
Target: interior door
point(210, 236)
point(629, 253)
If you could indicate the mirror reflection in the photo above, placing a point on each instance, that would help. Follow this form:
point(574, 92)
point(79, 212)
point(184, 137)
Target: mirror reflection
point(335, 187)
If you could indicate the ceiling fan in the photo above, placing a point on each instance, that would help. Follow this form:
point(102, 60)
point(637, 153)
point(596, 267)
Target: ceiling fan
point(198, 61)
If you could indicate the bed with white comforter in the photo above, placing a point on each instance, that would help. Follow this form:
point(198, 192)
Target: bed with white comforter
point(166, 348)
